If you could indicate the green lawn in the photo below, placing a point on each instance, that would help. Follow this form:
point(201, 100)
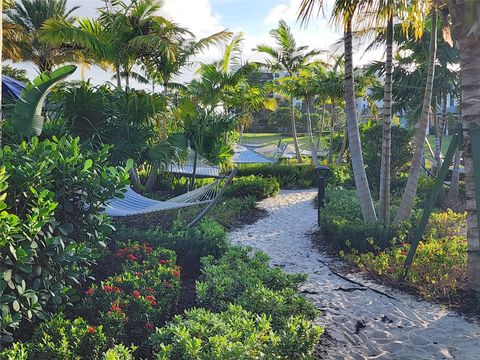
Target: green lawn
point(272, 139)
point(445, 144)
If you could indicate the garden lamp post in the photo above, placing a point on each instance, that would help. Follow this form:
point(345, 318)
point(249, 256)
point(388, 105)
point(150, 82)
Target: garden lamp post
point(322, 172)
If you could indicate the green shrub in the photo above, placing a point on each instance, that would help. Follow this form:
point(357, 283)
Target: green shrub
point(254, 186)
point(438, 270)
point(342, 223)
point(299, 176)
point(120, 352)
point(241, 277)
point(53, 227)
point(18, 351)
point(207, 238)
point(130, 304)
point(371, 135)
point(233, 334)
point(287, 175)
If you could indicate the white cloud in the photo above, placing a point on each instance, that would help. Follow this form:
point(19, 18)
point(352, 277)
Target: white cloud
point(287, 12)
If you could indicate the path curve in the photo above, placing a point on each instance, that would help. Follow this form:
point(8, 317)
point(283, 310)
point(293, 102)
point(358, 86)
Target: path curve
point(401, 329)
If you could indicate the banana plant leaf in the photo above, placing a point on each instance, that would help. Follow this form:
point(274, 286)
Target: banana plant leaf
point(27, 116)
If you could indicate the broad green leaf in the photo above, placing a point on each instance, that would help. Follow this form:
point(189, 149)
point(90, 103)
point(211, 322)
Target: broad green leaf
point(88, 165)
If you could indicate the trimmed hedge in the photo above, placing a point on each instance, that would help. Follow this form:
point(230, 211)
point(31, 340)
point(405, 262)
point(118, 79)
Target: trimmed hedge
point(255, 186)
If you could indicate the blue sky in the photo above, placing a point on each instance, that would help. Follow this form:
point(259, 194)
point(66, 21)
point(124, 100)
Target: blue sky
point(253, 17)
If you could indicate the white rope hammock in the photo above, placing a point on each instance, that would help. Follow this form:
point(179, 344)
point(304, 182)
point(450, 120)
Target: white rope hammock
point(134, 204)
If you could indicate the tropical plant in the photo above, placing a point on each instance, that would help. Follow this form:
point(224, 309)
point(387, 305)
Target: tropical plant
point(27, 116)
point(25, 19)
point(288, 57)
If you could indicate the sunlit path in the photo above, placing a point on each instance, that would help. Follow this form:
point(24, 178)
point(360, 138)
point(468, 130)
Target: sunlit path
point(400, 329)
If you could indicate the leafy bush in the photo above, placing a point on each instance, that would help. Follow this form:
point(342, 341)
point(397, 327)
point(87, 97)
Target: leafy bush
point(60, 339)
point(439, 266)
point(207, 238)
point(255, 186)
point(287, 175)
point(243, 278)
point(342, 223)
point(120, 352)
point(371, 134)
point(130, 304)
point(233, 334)
point(299, 176)
point(52, 227)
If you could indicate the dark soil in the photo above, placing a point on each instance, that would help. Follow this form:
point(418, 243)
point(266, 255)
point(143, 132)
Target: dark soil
point(463, 301)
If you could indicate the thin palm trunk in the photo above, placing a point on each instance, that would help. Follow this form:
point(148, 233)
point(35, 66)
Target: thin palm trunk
point(320, 128)
point(440, 129)
point(343, 149)
point(360, 176)
point(118, 76)
point(438, 145)
point(294, 133)
point(410, 192)
point(385, 165)
point(1, 68)
point(332, 123)
point(152, 176)
point(135, 178)
point(194, 171)
point(313, 148)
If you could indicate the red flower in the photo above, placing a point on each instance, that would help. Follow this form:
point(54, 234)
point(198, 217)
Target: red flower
point(136, 294)
point(148, 249)
point(163, 262)
point(132, 257)
point(112, 289)
point(151, 299)
point(149, 326)
point(91, 330)
point(150, 290)
point(89, 291)
point(175, 273)
point(138, 274)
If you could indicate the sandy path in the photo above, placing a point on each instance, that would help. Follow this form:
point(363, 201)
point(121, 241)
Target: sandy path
point(401, 329)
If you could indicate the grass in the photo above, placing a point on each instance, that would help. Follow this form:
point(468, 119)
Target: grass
point(447, 139)
point(272, 139)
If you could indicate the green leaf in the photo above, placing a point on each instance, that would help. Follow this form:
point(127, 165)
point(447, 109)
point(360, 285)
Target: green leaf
point(16, 305)
point(27, 117)
point(129, 165)
point(7, 275)
point(88, 165)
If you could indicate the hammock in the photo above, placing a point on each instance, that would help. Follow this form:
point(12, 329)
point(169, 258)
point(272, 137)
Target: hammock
point(134, 204)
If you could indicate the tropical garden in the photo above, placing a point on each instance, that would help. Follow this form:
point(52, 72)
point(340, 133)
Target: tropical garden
point(79, 284)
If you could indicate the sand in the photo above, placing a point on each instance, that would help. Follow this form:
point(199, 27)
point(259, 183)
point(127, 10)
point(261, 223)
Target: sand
point(401, 329)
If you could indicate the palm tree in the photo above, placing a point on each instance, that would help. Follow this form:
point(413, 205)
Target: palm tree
point(26, 18)
point(465, 21)
point(410, 192)
point(113, 40)
point(288, 57)
point(343, 12)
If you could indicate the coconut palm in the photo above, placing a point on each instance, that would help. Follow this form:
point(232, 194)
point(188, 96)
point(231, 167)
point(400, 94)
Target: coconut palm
point(410, 192)
point(465, 25)
point(290, 58)
point(112, 40)
point(343, 13)
point(26, 17)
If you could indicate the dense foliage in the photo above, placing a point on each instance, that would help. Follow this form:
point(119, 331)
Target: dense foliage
point(234, 334)
point(53, 226)
point(255, 186)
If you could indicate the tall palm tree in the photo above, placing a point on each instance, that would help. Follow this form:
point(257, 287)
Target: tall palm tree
point(343, 13)
point(288, 57)
point(410, 192)
point(28, 17)
point(465, 25)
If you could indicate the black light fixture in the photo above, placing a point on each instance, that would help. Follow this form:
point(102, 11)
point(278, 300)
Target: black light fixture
point(322, 172)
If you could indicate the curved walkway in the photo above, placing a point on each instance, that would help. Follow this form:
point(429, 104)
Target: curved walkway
point(363, 324)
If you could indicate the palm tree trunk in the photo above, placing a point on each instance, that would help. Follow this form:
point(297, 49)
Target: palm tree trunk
point(343, 149)
point(439, 130)
point(294, 133)
point(135, 178)
point(152, 176)
point(385, 165)
point(410, 192)
point(332, 124)
point(118, 77)
point(313, 148)
point(470, 114)
point(1, 68)
point(320, 128)
point(360, 176)
point(194, 171)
